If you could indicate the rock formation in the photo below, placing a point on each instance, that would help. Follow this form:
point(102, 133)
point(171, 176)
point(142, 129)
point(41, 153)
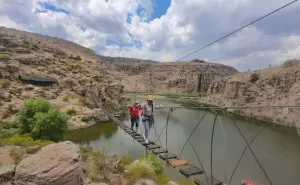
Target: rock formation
point(192, 77)
point(58, 163)
point(77, 69)
point(273, 86)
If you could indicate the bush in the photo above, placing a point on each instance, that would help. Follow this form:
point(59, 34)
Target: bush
point(161, 179)
point(4, 57)
point(125, 160)
point(155, 162)
point(5, 133)
point(85, 149)
point(139, 170)
point(71, 112)
point(42, 120)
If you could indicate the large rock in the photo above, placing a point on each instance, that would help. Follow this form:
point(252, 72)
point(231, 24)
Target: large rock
point(5, 96)
point(6, 173)
point(58, 164)
point(100, 116)
point(13, 66)
point(50, 95)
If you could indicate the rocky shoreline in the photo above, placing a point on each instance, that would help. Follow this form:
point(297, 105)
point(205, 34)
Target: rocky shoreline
point(66, 163)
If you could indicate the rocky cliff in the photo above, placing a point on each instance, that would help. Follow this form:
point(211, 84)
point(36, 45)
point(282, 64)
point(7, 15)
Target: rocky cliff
point(273, 86)
point(192, 77)
point(77, 69)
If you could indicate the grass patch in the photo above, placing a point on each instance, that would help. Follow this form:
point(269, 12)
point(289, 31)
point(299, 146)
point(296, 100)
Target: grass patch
point(126, 160)
point(23, 141)
point(4, 83)
point(4, 57)
point(67, 97)
point(71, 112)
point(186, 182)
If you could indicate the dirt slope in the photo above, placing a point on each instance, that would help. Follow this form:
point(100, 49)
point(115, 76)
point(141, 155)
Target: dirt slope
point(74, 66)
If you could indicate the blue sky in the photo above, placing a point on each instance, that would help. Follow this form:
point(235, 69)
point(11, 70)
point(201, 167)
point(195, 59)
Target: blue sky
point(165, 30)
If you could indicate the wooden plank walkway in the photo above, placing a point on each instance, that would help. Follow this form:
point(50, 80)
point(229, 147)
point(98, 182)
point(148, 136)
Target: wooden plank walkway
point(186, 169)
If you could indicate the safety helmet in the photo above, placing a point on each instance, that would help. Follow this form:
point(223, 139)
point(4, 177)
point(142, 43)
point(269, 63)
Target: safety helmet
point(149, 97)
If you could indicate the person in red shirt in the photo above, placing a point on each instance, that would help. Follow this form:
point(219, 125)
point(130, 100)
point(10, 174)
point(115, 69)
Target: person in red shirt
point(134, 115)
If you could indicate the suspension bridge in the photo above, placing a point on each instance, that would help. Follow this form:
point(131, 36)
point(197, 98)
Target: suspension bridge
point(191, 170)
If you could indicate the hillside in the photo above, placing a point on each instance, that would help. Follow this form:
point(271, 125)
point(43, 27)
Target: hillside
point(191, 77)
point(273, 86)
point(74, 66)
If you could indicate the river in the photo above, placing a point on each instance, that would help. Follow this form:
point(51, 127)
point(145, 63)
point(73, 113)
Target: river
point(278, 151)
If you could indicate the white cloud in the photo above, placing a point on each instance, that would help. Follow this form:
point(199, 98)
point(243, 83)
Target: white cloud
point(186, 26)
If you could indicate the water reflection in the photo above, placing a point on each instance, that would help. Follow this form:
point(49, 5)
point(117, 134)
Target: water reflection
point(92, 133)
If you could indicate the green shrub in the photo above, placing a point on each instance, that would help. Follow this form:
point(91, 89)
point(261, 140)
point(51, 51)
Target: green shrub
point(125, 160)
point(13, 123)
point(42, 120)
point(96, 155)
point(161, 179)
point(5, 133)
point(85, 149)
point(155, 162)
point(139, 170)
point(71, 112)
point(4, 57)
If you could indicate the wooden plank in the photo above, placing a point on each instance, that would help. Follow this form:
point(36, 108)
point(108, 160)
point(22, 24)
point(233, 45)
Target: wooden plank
point(146, 144)
point(189, 170)
point(140, 140)
point(138, 137)
point(159, 150)
point(153, 146)
point(166, 156)
point(201, 180)
point(177, 162)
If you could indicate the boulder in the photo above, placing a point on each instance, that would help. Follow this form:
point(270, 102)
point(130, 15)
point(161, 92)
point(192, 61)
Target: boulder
point(50, 95)
point(100, 116)
point(58, 164)
point(13, 66)
point(5, 96)
point(29, 87)
point(6, 173)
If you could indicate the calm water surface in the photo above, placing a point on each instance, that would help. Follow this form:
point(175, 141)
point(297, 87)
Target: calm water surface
point(278, 151)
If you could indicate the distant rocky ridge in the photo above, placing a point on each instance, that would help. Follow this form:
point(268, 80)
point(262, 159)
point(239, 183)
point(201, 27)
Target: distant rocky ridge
point(108, 59)
point(191, 77)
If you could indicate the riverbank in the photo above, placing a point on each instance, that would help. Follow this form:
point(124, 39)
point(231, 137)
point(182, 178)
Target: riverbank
point(24, 160)
point(239, 114)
